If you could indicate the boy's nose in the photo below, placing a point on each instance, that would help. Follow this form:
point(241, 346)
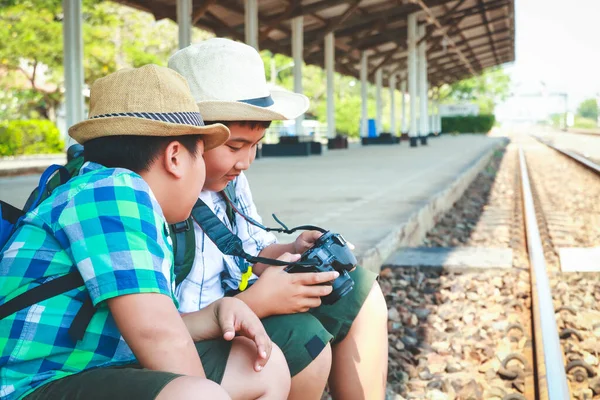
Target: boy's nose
point(242, 165)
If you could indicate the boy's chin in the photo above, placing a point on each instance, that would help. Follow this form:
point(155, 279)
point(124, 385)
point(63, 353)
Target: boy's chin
point(216, 186)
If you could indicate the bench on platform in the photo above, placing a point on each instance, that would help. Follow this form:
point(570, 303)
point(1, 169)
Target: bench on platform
point(303, 145)
point(383, 138)
point(338, 142)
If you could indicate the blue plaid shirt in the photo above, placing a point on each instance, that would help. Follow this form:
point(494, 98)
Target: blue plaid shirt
point(106, 224)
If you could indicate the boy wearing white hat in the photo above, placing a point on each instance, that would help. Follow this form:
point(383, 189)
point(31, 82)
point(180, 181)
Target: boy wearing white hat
point(348, 338)
point(87, 309)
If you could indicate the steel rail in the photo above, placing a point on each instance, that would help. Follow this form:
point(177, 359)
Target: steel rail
point(552, 378)
point(580, 159)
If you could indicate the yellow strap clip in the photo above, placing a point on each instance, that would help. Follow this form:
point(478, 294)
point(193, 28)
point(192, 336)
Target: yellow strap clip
point(245, 278)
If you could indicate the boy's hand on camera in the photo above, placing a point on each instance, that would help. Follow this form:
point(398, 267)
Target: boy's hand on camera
point(306, 240)
point(280, 292)
point(235, 317)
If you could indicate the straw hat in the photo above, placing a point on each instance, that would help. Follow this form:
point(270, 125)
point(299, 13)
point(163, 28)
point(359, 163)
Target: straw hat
point(227, 79)
point(145, 101)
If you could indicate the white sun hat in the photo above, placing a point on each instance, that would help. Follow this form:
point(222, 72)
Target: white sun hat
point(227, 80)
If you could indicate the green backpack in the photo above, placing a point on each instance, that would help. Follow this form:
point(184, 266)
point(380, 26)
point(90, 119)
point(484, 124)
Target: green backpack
point(51, 178)
point(182, 234)
point(184, 245)
point(10, 216)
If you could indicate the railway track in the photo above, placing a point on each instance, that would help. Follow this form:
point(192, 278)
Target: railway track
point(551, 377)
point(574, 330)
point(528, 332)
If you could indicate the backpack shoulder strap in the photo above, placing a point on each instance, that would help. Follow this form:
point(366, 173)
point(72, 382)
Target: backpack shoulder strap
point(10, 213)
point(9, 216)
point(43, 190)
point(184, 248)
point(50, 179)
point(184, 237)
point(48, 290)
point(229, 192)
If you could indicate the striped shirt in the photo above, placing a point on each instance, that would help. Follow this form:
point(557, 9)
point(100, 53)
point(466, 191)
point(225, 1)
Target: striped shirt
point(213, 273)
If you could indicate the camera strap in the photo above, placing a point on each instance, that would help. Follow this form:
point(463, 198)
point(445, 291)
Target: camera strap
point(283, 229)
point(229, 243)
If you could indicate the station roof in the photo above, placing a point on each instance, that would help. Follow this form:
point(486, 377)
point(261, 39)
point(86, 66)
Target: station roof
point(463, 36)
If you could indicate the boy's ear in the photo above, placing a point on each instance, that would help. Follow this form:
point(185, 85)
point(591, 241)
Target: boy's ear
point(172, 159)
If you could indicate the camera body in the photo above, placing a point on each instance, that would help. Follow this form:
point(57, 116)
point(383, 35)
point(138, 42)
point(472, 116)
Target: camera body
point(333, 254)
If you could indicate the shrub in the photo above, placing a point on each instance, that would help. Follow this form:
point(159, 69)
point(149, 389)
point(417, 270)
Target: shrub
point(468, 124)
point(585, 123)
point(19, 137)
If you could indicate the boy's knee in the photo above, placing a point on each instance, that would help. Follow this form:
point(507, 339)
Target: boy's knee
point(276, 375)
point(192, 388)
point(272, 382)
point(376, 302)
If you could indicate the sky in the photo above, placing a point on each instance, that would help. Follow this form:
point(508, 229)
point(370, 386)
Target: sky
point(557, 45)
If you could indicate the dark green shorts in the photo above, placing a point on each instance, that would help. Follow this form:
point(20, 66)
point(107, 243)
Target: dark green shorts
point(130, 381)
point(303, 336)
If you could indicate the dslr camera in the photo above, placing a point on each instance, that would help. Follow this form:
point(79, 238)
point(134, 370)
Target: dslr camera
point(330, 253)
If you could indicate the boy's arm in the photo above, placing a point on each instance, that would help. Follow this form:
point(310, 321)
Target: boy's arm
point(155, 332)
point(225, 318)
point(163, 340)
point(303, 242)
point(275, 251)
point(278, 292)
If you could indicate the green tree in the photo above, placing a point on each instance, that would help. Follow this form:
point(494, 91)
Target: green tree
point(588, 109)
point(31, 55)
point(485, 90)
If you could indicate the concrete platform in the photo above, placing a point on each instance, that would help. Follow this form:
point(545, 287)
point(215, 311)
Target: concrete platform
point(577, 259)
point(379, 197)
point(10, 166)
point(452, 258)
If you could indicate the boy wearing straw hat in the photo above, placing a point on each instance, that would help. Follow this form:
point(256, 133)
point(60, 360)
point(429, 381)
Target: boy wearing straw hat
point(88, 273)
point(349, 338)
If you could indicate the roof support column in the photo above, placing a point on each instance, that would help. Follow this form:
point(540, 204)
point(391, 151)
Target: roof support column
point(393, 104)
point(378, 104)
point(423, 96)
point(439, 115)
point(364, 123)
point(433, 122)
point(438, 119)
point(436, 110)
point(184, 22)
point(251, 23)
point(412, 77)
point(404, 128)
point(598, 110)
point(431, 114)
point(329, 68)
point(297, 48)
point(73, 62)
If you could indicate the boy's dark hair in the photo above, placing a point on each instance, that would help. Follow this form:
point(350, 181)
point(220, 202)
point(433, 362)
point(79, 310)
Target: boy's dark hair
point(135, 153)
point(249, 124)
